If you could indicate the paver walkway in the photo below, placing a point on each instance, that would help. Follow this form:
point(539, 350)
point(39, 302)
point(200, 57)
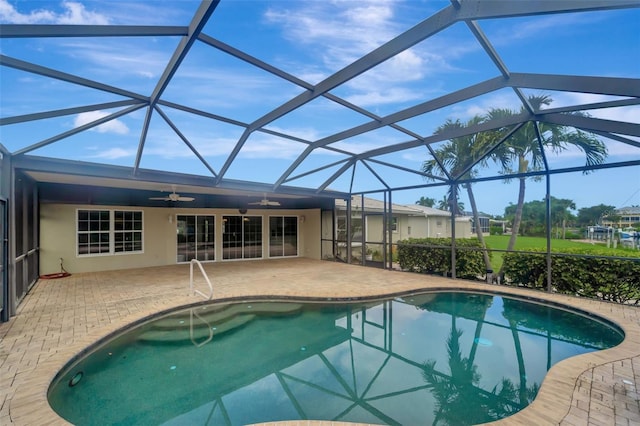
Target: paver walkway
point(59, 318)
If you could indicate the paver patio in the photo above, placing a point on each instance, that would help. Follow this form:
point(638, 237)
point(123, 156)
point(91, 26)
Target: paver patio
point(59, 318)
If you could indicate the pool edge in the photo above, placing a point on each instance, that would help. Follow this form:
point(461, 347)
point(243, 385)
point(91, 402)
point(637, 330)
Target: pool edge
point(552, 404)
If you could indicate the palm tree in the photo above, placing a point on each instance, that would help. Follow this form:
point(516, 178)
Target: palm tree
point(426, 201)
point(457, 155)
point(526, 150)
point(444, 203)
point(459, 398)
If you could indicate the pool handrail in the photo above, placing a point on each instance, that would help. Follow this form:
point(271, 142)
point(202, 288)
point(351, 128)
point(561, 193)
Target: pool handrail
point(206, 277)
point(192, 313)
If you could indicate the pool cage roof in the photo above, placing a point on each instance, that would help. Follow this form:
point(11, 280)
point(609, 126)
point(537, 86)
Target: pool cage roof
point(159, 97)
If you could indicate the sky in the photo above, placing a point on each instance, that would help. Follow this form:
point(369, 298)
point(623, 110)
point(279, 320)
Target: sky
point(310, 40)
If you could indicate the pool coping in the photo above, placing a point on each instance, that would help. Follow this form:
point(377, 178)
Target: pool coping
point(551, 406)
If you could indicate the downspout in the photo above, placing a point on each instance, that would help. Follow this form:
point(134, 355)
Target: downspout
point(428, 225)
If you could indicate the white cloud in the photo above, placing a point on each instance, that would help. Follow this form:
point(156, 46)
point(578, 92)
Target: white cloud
point(306, 133)
point(259, 145)
point(390, 95)
point(629, 114)
point(72, 13)
point(346, 29)
point(114, 153)
point(266, 146)
point(118, 57)
point(336, 33)
point(114, 126)
point(541, 27)
point(481, 106)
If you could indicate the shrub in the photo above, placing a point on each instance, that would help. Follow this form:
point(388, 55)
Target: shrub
point(607, 278)
point(433, 256)
point(573, 235)
point(495, 230)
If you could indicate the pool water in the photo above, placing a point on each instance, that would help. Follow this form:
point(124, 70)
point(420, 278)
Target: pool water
point(447, 358)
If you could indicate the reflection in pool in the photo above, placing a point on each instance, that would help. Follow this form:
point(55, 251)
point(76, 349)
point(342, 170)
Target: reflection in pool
point(433, 358)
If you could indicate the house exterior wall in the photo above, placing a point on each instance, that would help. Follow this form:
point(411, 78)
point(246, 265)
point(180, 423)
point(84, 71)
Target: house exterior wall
point(417, 227)
point(437, 227)
point(58, 231)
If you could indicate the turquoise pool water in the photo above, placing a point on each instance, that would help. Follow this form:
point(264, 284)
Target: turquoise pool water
point(445, 358)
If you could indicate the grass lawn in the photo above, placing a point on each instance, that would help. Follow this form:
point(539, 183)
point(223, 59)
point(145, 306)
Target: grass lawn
point(499, 242)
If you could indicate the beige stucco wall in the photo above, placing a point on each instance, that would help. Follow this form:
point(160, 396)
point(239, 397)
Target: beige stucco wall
point(58, 237)
point(418, 227)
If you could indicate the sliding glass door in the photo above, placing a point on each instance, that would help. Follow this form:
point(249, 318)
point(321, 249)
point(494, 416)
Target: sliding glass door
point(196, 237)
point(242, 237)
point(283, 236)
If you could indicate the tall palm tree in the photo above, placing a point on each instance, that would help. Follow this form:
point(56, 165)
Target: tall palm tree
point(457, 155)
point(525, 150)
point(459, 398)
point(447, 201)
point(444, 203)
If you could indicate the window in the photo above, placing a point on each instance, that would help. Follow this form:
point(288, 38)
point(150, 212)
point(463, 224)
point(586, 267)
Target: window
point(109, 232)
point(93, 232)
point(127, 234)
point(394, 224)
point(484, 225)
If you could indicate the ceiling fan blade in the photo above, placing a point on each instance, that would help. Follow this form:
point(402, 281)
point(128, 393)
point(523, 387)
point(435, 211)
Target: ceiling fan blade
point(185, 199)
point(265, 202)
point(160, 198)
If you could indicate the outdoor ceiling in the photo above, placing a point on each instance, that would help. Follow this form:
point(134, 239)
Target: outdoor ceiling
point(224, 113)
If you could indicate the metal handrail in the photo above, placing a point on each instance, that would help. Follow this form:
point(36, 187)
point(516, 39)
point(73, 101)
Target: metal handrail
point(204, 274)
point(193, 313)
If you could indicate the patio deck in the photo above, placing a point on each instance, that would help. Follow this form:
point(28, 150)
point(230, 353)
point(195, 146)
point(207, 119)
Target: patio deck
point(59, 318)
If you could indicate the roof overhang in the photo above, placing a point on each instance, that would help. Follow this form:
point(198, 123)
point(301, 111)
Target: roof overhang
point(70, 172)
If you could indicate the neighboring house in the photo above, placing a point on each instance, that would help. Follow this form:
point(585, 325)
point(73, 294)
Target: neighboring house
point(432, 223)
point(407, 221)
point(623, 217)
point(485, 222)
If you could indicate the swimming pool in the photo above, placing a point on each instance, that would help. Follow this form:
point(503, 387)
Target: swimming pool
point(462, 358)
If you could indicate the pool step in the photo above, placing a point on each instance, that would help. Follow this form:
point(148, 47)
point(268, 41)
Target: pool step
point(218, 314)
point(201, 331)
point(196, 324)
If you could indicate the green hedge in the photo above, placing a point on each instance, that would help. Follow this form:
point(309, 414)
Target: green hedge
point(433, 256)
point(616, 280)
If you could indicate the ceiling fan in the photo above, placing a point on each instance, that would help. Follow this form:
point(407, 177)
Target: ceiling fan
point(265, 202)
point(173, 197)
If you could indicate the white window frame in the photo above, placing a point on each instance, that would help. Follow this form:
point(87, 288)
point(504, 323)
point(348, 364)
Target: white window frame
point(125, 231)
point(282, 216)
point(110, 231)
point(394, 223)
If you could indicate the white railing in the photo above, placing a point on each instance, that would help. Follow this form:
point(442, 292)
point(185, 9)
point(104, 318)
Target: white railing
point(194, 340)
point(204, 274)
